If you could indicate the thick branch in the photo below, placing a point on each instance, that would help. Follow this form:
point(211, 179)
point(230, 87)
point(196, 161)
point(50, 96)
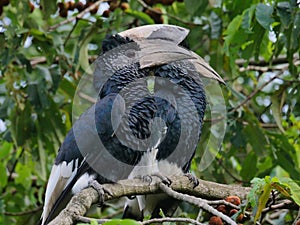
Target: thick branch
point(81, 202)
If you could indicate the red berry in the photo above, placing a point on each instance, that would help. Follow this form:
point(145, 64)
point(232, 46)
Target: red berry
point(215, 220)
point(233, 200)
point(222, 209)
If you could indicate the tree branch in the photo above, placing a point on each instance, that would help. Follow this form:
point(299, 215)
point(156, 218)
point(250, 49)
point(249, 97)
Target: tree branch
point(201, 203)
point(81, 202)
point(151, 221)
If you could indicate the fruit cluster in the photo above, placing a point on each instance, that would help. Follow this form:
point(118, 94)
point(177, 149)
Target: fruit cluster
point(155, 14)
point(235, 200)
point(64, 7)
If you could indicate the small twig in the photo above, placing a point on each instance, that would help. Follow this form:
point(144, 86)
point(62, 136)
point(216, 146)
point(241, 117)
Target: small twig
point(85, 219)
point(297, 218)
point(23, 213)
point(201, 203)
point(286, 204)
point(170, 219)
point(222, 202)
point(78, 16)
point(281, 59)
point(249, 97)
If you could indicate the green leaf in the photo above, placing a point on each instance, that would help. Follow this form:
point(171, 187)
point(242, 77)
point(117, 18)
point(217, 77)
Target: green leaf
point(231, 33)
point(68, 88)
point(284, 13)
point(294, 189)
point(257, 187)
point(263, 199)
point(255, 136)
point(263, 15)
point(195, 7)
point(3, 175)
point(6, 148)
point(232, 28)
point(21, 124)
point(24, 175)
point(48, 8)
point(83, 51)
point(296, 32)
point(42, 154)
point(140, 15)
point(287, 163)
point(287, 187)
point(39, 35)
point(247, 19)
point(249, 167)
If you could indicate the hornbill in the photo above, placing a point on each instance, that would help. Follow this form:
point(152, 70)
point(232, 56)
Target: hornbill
point(147, 119)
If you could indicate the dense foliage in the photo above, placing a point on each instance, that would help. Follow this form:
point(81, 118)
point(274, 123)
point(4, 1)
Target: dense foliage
point(254, 45)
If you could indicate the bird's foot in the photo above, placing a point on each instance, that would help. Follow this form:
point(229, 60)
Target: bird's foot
point(101, 191)
point(165, 180)
point(192, 179)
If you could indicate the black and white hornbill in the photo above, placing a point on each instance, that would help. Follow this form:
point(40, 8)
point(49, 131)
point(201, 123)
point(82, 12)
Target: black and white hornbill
point(147, 118)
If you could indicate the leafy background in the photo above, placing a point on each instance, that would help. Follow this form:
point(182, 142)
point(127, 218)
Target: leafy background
point(253, 45)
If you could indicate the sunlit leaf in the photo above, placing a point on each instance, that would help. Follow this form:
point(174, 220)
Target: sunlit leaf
point(264, 197)
point(3, 175)
point(23, 175)
point(6, 148)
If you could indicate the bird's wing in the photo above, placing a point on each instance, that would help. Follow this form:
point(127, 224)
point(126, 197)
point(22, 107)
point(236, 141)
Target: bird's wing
point(61, 182)
point(79, 153)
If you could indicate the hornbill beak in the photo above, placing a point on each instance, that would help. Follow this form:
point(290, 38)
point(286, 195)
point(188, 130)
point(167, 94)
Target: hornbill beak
point(157, 44)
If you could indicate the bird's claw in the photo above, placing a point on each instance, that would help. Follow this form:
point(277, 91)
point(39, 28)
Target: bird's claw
point(192, 179)
point(101, 191)
point(165, 180)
